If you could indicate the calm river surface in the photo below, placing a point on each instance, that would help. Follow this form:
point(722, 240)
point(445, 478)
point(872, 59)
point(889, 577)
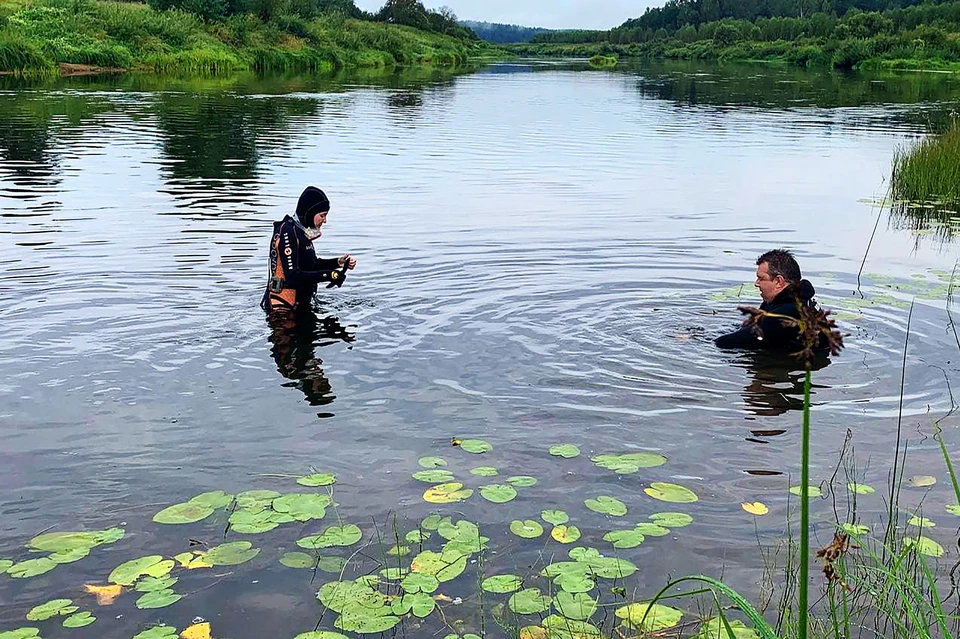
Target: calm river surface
point(545, 253)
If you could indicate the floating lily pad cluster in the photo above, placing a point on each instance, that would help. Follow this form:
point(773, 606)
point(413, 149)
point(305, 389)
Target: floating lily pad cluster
point(61, 608)
point(447, 490)
point(658, 526)
point(62, 548)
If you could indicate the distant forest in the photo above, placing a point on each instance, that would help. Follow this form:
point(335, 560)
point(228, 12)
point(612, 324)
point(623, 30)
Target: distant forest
point(502, 33)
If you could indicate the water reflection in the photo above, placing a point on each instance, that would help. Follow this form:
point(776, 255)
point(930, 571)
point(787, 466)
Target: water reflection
point(295, 338)
point(775, 386)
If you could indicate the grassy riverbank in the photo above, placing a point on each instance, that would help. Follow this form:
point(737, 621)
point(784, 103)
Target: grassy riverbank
point(37, 36)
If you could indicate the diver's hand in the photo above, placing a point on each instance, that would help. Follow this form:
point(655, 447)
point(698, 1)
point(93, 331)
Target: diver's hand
point(349, 260)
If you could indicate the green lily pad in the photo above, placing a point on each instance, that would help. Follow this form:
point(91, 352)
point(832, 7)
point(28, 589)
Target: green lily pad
point(565, 534)
point(476, 446)
point(555, 517)
point(567, 451)
point(672, 493)
point(629, 462)
point(812, 491)
point(256, 500)
point(345, 535)
point(649, 618)
point(31, 568)
point(529, 602)
point(341, 596)
point(153, 584)
point(420, 604)
point(921, 481)
point(55, 608)
point(954, 509)
point(5, 564)
point(432, 462)
point(435, 476)
point(624, 539)
point(20, 633)
point(570, 576)
point(233, 553)
point(69, 557)
point(855, 529)
point(527, 529)
point(185, 513)
point(302, 507)
point(860, 489)
point(579, 606)
point(298, 560)
point(251, 522)
point(606, 567)
point(432, 522)
point(444, 568)
point(715, 629)
point(416, 582)
point(449, 493)
point(672, 520)
point(158, 632)
point(921, 522)
point(318, 479)
point(485, 471)
point(213, 499)
point(498, 493)
point(501, 584)
point(79, 620)
point(158, 599)
point(925, 546)
point(365, 623)
point(607, 506)
point(394, 573)
point(319, 634)
point(559, 627)
point(399, 551)
point(462, 530)
point(652, 530)
point(63, 542)
point(522, 481)
point(333, 565)
point(417, 536)
point(128, 572)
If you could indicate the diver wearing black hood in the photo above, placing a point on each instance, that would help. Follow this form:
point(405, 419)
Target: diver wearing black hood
point(784, 291)
point(295, 269)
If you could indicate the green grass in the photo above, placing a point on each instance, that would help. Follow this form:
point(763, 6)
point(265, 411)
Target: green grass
point(36, 35)
point(928, 172)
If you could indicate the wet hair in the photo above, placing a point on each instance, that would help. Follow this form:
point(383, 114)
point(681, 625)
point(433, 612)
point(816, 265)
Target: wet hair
point(781, 262)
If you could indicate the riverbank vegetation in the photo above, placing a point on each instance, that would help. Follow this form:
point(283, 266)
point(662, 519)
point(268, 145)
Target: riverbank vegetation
point(925, 181)
point(843, 34)
point(220, 36)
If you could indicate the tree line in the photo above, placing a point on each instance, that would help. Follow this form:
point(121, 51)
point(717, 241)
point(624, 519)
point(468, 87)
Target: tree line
point(502, 33)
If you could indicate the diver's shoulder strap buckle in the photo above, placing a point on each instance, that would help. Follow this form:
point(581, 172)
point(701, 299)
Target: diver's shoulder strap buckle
point(276, 284)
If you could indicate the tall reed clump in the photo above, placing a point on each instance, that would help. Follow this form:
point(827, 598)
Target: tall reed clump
point(928, 172)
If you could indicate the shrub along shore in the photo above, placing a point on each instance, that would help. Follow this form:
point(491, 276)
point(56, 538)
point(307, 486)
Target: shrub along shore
point(51, 36)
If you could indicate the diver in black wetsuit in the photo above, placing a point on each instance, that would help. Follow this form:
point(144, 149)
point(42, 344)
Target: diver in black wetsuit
point(784, 292)
point(295, 269)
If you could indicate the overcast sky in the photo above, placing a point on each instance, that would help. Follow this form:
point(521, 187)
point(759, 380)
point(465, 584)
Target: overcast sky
point(554, 14)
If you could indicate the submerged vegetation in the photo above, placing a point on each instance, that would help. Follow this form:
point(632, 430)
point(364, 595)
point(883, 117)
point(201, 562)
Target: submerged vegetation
point(925, 181)
point(38, 35)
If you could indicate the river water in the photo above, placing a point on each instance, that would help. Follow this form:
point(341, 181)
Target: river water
point(545, 253)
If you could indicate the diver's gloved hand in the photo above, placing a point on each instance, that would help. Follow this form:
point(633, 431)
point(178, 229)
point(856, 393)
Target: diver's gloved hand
point(338, 277)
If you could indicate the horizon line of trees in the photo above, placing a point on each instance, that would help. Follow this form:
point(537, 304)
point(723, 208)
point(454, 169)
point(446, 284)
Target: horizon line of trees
point(499, 33)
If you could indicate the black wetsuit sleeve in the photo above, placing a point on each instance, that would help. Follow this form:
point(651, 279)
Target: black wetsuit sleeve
point(743, 338)
point(291, 259)
point(775, 335)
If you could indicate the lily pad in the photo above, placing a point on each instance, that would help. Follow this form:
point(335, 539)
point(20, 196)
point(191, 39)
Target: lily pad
point(20, 633)
point(213, 499)
point(158, 599)
point(606, 567)
point(420, 604)
point(79, 620)
point(715, 629)
point(527, 529)
point(649, 618)
point(953, 509)
point(62, 542)
point(157, 632)
point(394, 573)
point(485, 471)
point(432, 522)
point(418, 582)
point(624, 539)
point(432, 462)
point(318, 479)
point(855, 529)
point(672, 493)
point(449, 493)
point(364, 623)
point(298, 560)
point(153, 584)
point(417, 536)
point(522, 481)
point(4, 565)
point(31, 568)
point(652, 530)
point(475, 446)
point(318, 634)
point(812, 491)
point(434, 476)
point(255, 522)
point(570, 576)
point(755, 508)
point(559, 627)
point(185, 513)
point(629, 462)
point(463, 529)
point(555, 517)
point(921, 522)
point(256, 500)
point(342, 596)
point(345, 535)
point(333, 565)
point(302, 507)
point(672, 520)
point(529, 602)
point(128, 572)
point(565, 534)
point(501, 584)
point(498, 493)
point(921, 481)
point(860, 489)
point(233, 553)
point(55, 608)
point(579, 606)
point(925, 546)
point(607, 505)
point(567, 451)
point(69, 557)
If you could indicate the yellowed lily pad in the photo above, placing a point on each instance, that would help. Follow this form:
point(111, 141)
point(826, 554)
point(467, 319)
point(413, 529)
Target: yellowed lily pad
point(449, 493)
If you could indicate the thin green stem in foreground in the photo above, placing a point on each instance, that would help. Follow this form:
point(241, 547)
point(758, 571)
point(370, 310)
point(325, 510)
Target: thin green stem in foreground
point(804, 510)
